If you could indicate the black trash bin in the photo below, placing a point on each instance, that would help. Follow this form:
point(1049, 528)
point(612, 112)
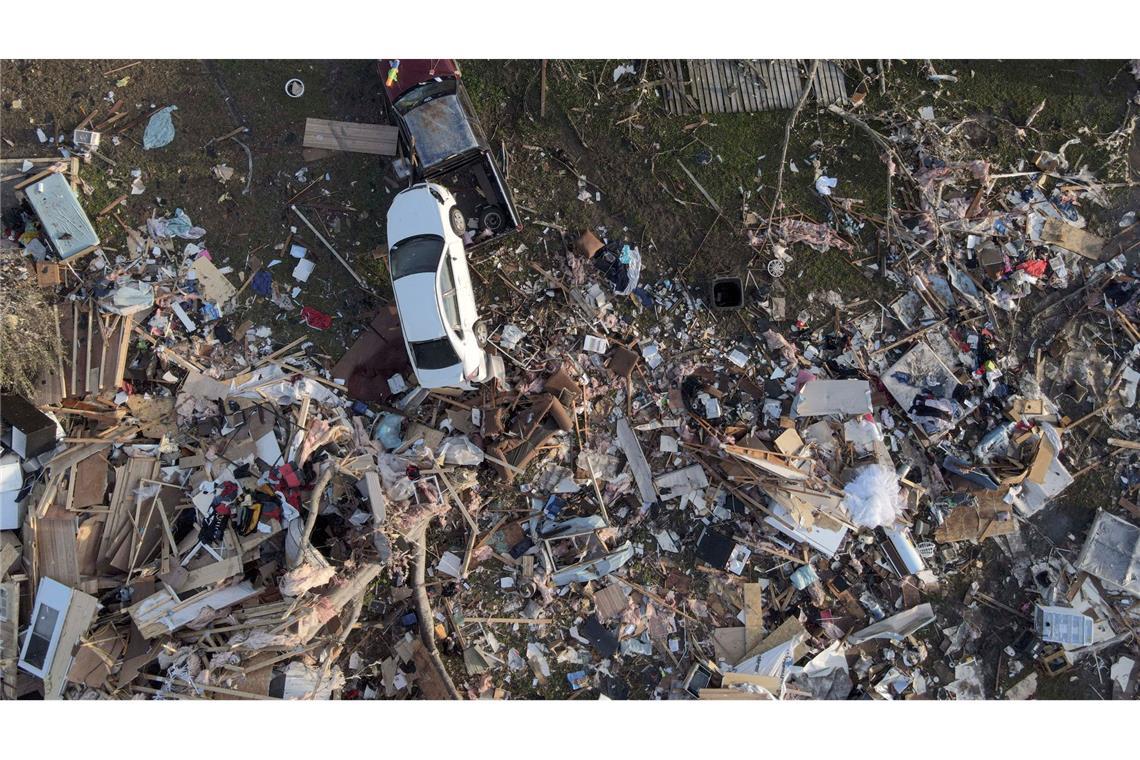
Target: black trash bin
point(727, 293)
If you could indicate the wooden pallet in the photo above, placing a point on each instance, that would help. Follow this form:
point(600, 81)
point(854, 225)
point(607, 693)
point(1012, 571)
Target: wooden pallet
point(375, 139)
point(723, 86)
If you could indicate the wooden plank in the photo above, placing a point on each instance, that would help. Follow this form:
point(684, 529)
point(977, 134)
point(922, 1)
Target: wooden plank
point(73, 338)
point(753, 90)
point(712, 103)
point(672, 76)
point(767, 682)
point(700, 85)
point(114, 546)
point(722, 87)
point(210, 574)
point(732, 83)
point(730, 694)
point(742, 82)
point(58, 552)
point(373, 139)
point(753, 615)
point(685, 88)
point(9, 638)
point(88, 346)
point(717, 85)
point(669, 96)
point(728, 85)
point(693, 89)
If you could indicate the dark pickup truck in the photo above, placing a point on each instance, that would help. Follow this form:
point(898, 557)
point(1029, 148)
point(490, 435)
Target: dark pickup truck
point(445, 143)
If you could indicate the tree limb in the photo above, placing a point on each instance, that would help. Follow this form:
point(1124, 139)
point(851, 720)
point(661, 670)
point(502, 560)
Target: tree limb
point(424, 613)
point(788, 137)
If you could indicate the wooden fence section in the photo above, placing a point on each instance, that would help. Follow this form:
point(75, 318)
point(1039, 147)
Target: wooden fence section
point(723, 86)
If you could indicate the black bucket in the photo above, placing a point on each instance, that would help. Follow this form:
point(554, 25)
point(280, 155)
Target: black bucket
point(727, 293)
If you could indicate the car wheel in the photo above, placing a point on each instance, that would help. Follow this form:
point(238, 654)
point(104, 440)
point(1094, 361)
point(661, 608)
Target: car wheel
point(458, 223)
point(481, 333)
point(492, 218)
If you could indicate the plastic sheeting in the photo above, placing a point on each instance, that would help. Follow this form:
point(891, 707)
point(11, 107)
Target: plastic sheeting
point(461, 451)
point(178, 225)
point(872, 498)
point(160, 129)
point(631, 258)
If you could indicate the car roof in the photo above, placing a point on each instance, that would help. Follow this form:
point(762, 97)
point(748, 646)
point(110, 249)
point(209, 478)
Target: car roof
point(419, 321)
point(416, 71)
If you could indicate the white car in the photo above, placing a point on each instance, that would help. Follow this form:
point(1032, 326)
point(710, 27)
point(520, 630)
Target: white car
point(433, 289)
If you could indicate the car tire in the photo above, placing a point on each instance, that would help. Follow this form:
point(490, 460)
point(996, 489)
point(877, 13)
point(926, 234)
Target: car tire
point(458, 223)
point(492, 218)
point(479, 329)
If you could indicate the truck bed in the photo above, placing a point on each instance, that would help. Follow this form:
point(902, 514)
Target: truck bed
point(474, 181)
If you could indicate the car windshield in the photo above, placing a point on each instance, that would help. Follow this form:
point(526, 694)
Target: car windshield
point(434, 354)
point(423, 93)
point(415, 255)
point(440, 129)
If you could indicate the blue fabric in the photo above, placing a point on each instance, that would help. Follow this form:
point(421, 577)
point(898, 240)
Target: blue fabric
point(263, 283)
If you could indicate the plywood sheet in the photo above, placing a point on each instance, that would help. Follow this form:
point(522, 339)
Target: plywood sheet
point(212, 284)
point(58, 552)
point(90, 481)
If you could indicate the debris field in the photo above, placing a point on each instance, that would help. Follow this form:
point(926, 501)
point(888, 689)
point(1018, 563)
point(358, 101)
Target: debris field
point(216, 485)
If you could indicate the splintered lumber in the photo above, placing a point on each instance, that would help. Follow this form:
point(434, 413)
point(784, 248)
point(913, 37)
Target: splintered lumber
point(95, 359)
point(313, 620)
point(114, 546)
point(80, 614)
point(210, 574)
point(353, 137)
point(162, 612)
point(753, 615)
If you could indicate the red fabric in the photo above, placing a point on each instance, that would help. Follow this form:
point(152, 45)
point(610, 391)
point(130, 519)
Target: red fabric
point(1036, 267)
point(318, 320)
point(415, 71)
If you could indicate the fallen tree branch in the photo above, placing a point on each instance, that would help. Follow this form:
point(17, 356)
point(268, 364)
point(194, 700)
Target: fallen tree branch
point(314, 508)
point(249, 173)
point(788, 137)
point(424, 613)
point(337, 648)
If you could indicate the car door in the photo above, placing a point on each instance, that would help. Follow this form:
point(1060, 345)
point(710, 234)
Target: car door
point(464, 291)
